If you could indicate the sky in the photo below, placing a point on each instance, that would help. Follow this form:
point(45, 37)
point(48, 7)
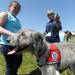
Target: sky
point(33, 14)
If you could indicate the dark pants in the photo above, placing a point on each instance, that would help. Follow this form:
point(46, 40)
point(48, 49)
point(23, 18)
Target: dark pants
point(52, 39)
point(12, 61)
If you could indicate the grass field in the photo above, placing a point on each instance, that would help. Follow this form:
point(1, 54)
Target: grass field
point(29, 65)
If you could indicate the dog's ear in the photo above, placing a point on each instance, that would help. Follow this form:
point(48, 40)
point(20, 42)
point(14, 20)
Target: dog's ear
point(38, 37)
point(38, 40)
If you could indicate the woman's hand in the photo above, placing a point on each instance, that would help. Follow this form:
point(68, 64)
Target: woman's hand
point(11, 52)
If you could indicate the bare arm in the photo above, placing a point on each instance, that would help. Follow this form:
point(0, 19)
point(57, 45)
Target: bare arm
point(3, 20)
point(5, 31)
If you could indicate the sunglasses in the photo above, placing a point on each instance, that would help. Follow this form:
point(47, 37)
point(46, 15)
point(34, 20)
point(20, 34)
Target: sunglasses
point(51, 14)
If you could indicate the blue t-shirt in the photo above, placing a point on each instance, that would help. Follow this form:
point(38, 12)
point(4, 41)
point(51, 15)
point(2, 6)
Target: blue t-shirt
point(12, 25)
point(50, 27)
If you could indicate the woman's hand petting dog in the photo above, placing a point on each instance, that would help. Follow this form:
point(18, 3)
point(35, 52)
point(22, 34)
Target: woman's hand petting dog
point(11, 52)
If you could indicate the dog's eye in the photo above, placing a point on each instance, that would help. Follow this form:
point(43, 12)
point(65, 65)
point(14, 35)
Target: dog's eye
point(23, 34)
point(8, 39)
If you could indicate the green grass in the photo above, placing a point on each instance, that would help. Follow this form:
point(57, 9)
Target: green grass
point(71, 40)
point(29, 64)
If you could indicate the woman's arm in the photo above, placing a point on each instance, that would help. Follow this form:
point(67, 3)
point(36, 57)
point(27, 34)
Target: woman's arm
point(3, 20)
point(5, 31)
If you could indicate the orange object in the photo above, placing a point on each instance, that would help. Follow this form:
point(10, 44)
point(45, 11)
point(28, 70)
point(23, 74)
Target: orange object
point(54, 54)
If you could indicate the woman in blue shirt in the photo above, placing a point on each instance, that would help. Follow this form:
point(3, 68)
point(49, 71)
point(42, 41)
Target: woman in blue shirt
point(9, 24)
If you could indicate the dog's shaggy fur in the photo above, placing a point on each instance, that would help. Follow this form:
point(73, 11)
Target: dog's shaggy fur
point(39, 47)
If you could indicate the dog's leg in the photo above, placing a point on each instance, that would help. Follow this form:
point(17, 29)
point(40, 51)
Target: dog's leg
point(57, 72)
point(72, 67)
point(49, 70)
point(43, 70)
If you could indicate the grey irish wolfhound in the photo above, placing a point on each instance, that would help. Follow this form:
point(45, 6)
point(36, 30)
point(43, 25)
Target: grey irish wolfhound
point(38, 46)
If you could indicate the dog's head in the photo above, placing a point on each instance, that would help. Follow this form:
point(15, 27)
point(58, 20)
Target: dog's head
point(24, 39)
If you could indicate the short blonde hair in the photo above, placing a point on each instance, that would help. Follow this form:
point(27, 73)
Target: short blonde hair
point(50, 12)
